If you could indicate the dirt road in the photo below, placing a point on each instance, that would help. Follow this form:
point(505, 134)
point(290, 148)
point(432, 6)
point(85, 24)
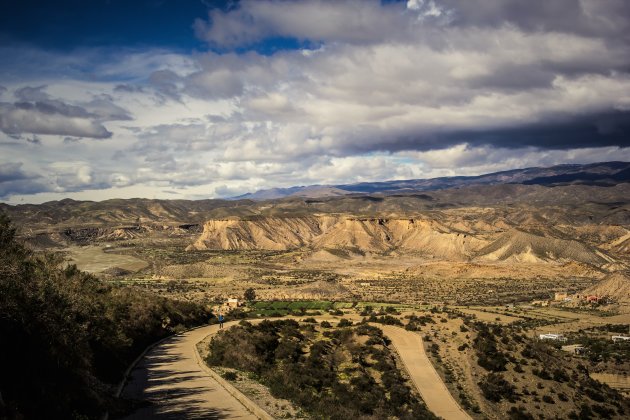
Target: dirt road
point(423, 374)
point(176, 387)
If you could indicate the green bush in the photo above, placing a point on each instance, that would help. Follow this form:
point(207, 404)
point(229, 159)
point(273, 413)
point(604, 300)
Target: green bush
point(344, 323)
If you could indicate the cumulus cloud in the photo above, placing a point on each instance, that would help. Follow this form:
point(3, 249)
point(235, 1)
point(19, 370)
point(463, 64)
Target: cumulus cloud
point(353, 21)
point(443, 73)
point(49, 118)
point(378, 90)
point(37, 112)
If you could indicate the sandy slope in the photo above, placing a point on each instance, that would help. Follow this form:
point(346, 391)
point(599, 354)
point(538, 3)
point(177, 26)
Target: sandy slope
point(374, 235)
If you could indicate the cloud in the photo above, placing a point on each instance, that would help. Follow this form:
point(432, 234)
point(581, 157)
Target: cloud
point(14, 180)
point(597, 18)
point(371, 21)
point(37, 113)
point(49, 118)
point(104, 109)
point(31, 94)
point(354, 21)
point(377, 90)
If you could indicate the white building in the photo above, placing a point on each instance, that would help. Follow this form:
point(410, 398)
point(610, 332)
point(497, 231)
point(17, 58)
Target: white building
point(555, 337)
point(232, 303)
point(616, 338)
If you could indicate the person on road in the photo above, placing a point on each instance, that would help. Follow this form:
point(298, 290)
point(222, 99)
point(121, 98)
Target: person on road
point(221, 320)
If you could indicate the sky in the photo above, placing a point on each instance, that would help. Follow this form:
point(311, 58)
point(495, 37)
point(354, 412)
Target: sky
point(196, 99)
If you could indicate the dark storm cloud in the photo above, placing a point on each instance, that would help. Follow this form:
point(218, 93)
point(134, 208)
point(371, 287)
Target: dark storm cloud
point(585, 131)
point(14, 180)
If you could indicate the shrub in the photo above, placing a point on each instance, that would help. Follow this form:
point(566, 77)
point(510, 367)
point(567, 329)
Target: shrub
point(559, 375)
point(344, 323)
point(494, 388)
point(541, 373)
point(230, 375)
point(548, 399)
point(519, 413)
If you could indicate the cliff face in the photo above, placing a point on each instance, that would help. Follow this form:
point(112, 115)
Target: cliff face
point(374, 235)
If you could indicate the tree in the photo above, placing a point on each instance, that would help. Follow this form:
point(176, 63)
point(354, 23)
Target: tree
point(250, 295)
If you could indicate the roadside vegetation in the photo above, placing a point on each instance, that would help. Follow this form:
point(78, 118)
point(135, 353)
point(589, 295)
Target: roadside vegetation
point(67, 338)
point(346, 372)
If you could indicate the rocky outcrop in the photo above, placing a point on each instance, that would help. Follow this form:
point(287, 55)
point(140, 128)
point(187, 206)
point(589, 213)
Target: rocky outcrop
point(518, 246)
point(373, 235)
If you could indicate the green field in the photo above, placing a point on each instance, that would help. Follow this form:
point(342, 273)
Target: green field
point(317, 305)
point(283, 307)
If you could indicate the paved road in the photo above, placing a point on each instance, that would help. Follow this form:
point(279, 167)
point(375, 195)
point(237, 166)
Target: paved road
point(175, 385)
point(423, 374)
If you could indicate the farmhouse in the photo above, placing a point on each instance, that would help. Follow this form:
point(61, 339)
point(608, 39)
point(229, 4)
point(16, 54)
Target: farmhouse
point(232, 303)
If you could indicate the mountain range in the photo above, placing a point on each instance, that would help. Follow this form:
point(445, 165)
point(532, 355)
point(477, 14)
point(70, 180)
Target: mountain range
point(599, 174)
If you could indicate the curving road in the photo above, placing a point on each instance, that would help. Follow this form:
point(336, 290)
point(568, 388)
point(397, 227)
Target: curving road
point(175, 386)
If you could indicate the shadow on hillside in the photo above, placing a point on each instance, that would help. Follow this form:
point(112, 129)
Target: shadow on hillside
point(158, 392)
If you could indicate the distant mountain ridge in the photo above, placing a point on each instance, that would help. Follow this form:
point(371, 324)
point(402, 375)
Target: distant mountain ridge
point(597, 174)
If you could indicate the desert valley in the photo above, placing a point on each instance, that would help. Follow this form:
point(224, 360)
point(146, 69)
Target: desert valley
point(470, 267)
point(314, 209)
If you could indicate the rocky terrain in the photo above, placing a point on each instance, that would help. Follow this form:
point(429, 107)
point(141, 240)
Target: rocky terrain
point(615, 287)
point(549, 229)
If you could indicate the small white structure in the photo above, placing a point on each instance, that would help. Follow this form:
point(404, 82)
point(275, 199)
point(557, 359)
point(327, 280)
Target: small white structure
point(555, 337)
point(617, 338)
point(560, 296)
point(232, 303)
